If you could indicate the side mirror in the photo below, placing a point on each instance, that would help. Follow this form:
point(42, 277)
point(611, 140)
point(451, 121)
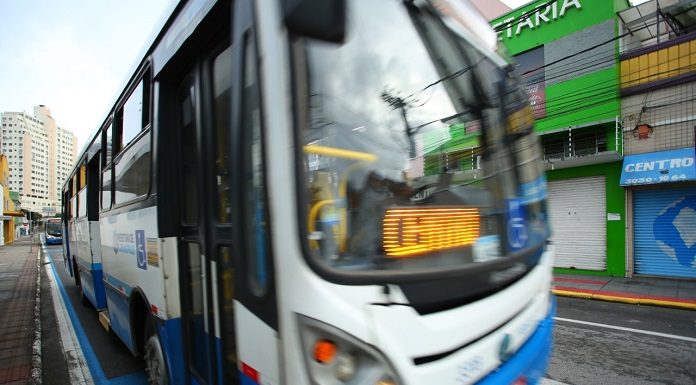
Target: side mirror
point(316, 19)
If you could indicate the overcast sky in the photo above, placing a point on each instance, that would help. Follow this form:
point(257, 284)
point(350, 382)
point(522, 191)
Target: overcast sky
point(75, 55)
point(515, 3)
point(72, 55)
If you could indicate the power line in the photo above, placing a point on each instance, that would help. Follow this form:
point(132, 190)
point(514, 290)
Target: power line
point(610, 90)
point(602, 95)
point(466, 69)
point(561, 112)
point(594, 90)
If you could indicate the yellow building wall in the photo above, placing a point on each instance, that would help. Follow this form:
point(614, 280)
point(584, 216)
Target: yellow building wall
point(8, 204)
point(658, 65)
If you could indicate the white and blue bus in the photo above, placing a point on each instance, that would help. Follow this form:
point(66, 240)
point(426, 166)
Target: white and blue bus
point(53, 231)
point(318, 192)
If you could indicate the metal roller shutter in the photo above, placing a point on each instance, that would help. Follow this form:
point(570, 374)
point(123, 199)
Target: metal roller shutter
point(577, 212)
point(664, 232)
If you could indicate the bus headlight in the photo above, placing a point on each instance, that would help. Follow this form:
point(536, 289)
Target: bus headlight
point(335, 357)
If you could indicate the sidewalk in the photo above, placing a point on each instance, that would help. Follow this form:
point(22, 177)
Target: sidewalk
point(18, 279)
point(636, 290)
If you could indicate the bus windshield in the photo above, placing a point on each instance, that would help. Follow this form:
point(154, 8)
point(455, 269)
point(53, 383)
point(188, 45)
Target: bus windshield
point(418, 151)
point(54, 229)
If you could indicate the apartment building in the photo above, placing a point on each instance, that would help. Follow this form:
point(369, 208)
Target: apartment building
point(40, 156)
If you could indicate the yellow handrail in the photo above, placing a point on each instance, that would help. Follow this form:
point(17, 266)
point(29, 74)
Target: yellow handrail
point(362, 158)
point(339, 153)
point(313, 218)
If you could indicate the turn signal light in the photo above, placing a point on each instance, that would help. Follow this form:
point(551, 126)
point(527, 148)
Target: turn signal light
point(324, 351)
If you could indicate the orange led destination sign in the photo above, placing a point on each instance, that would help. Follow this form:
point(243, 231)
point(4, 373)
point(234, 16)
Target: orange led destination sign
point(414, 231)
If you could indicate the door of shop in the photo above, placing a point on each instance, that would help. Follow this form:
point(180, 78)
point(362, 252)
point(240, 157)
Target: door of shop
point(577, 210)
point(664, 232)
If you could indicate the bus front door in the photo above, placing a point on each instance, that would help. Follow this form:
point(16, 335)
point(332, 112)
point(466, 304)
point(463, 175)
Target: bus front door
point(199, 100)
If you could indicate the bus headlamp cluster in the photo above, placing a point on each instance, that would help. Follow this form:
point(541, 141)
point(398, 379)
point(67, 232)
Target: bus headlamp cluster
point(335, 357)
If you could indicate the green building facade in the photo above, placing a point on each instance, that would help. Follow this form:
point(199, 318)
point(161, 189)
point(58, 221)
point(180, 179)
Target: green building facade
point(568, 55)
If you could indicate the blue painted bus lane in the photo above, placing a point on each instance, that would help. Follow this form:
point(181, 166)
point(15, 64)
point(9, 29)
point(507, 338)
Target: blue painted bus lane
point(108, 359)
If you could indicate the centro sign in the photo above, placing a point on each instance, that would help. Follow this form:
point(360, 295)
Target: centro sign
point(659, 167)
point(662, 164)
point(534, 18)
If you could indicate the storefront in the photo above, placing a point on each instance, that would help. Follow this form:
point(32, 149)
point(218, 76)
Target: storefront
point(587, 212)
point(578, 218)
point(662, 194)
point(566, 54)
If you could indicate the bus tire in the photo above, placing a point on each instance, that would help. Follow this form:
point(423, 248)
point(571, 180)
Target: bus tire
point(83, 298)
point(76, 272)
point(155, 366)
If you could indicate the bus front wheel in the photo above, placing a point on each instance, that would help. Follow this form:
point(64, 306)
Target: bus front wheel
point(155, 367)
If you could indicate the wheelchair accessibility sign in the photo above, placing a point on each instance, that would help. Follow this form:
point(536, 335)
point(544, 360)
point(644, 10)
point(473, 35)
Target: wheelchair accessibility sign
point(517, 233)
point(140, 249)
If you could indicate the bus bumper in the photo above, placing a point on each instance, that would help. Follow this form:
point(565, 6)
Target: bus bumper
point(54, 241)
point(528, 365)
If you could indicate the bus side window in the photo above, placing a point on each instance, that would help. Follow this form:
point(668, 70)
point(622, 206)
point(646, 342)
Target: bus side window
point(73, 206)
point(131, 117)
point(132, 166)
point(107, 151)
point(253, 178)
point(82, 192)
point(222, 90)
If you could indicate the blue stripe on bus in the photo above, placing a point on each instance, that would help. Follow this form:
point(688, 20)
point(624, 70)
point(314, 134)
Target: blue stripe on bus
point(172, 346)
point(119, 309)
point(115, 282)
point(531, 359)
point(89, 266)
point(246, 380)
point(99, 291)
point(93, 285)
point(87, 283)
point(218, 352)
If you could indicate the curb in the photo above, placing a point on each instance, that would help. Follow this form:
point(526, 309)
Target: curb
point(78, 367)
point(629, 300)
point(36, 375)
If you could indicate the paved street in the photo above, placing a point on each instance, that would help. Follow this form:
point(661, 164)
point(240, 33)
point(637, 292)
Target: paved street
point(593, 354)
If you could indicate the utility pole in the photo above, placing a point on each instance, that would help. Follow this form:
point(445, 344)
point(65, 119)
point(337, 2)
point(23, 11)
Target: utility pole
point(401, 104)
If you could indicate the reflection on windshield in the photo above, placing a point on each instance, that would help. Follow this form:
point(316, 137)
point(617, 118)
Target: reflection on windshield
point(398, 171)
point(54, 229)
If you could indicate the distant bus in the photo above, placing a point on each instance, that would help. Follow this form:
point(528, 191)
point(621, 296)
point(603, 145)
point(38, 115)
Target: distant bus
point(54, 231)
point(318, 192)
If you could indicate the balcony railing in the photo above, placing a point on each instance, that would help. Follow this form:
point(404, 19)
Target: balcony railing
point(654, 23)
point(570, 144)
point(600, 142)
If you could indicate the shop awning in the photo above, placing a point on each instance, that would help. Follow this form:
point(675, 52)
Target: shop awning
point(659, 167)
